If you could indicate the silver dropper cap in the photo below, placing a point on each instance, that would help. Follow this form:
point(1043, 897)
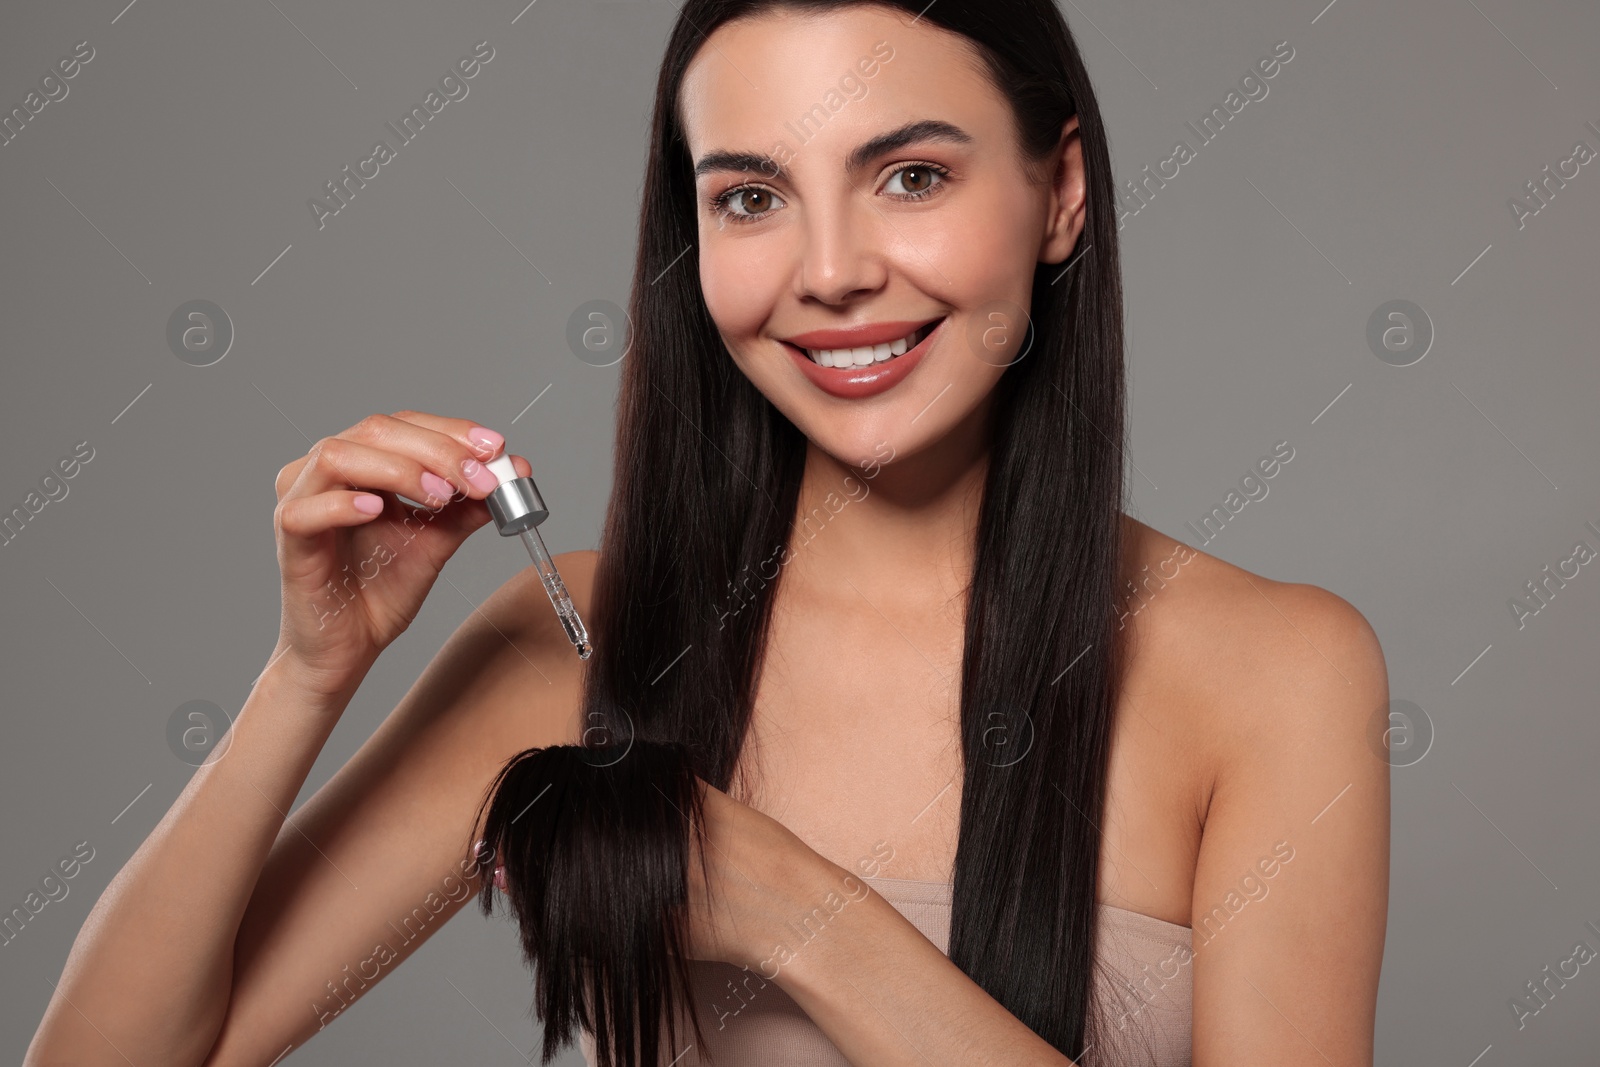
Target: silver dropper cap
point(515, 503)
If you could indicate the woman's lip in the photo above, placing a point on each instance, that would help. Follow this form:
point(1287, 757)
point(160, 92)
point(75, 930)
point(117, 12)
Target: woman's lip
point(853, 383)
point(863, 336)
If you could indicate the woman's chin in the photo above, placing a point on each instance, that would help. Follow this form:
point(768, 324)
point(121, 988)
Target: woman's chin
point(868, 445)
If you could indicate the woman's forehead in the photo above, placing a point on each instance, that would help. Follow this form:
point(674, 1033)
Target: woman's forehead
point(786, 76)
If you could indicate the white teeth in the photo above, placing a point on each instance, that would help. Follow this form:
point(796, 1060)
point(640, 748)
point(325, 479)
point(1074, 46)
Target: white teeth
point(866, 355)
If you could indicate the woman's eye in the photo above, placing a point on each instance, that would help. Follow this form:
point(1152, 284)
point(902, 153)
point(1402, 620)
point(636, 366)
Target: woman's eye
point(916, 180)
point(747, 203)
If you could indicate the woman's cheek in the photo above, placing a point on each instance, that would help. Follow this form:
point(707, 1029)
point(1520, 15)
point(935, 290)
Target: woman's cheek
point(734, 293)
point(997, 259)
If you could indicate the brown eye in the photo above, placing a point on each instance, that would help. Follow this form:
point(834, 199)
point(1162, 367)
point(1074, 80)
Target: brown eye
point(750, 201)
point(915, 181)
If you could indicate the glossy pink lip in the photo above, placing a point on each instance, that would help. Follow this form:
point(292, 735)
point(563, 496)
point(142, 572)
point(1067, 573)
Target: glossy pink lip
point(853, 383)
point(872, 333)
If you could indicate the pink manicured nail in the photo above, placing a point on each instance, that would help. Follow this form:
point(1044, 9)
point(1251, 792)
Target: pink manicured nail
point(500, 879)
point(436, 487)
point(368, 503)
point(485, 439)
point(480, 476)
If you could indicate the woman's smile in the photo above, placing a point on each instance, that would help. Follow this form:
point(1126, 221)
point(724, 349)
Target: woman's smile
point(862, 361)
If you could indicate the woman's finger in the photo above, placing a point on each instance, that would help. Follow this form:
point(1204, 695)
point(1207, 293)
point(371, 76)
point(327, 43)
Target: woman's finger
point(452, 449)
point(484, 442)
point(304, 517)
point(429, 471)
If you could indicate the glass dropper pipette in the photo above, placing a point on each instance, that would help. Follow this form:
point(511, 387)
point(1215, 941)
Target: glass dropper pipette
point(557, 590)
point(518, 509)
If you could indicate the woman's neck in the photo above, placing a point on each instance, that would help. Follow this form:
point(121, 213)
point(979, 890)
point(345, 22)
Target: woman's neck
point(901, 531)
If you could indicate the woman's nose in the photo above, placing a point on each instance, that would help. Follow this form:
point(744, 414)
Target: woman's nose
point(843, 253)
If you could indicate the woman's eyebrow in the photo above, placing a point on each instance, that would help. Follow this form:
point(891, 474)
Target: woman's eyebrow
point(920, 131)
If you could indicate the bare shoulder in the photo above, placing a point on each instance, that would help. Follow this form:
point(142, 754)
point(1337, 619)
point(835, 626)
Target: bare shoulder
point(1239, 648)
point(1275, 690)
point(532, 654)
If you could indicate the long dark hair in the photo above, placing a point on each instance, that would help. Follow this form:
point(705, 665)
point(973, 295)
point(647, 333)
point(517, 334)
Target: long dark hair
point(706, 487)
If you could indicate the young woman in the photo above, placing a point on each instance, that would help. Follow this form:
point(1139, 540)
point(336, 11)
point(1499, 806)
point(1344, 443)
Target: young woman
point(1114, 798)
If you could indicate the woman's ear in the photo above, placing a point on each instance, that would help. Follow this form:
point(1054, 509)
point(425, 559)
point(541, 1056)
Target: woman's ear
point(1065, 211)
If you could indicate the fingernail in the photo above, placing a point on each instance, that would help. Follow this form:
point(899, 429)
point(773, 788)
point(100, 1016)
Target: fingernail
point(480, 476)
point(500, 879)
point(436, 487)
point(368, 503)
point(486, 439)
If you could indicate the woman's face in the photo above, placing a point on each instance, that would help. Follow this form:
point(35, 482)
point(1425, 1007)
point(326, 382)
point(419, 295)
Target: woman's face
point(820, 231)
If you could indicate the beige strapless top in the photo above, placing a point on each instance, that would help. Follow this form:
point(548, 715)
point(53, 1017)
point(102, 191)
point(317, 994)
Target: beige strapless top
point(1143, 990)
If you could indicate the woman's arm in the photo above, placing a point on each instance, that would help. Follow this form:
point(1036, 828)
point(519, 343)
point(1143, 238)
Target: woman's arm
point(1286, 963)
point(174, 907)
point(886, 996)
point(1292, 882)
point(375, 861)
point(881, 991)
point(219, 939)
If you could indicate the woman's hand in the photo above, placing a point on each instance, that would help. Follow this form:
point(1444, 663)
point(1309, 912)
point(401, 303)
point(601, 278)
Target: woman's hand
point(760, 881)
point(356, 562)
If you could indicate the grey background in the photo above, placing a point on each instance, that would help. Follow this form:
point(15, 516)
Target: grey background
point(1379, 167)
